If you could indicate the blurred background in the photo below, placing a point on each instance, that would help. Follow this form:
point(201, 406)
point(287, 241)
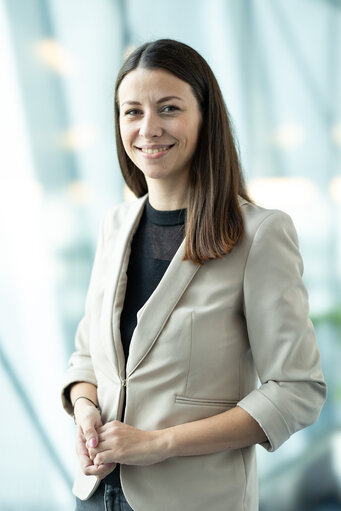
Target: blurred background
point(279, 65)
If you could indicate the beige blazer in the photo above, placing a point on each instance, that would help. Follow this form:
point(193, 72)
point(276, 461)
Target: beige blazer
point(201, 341)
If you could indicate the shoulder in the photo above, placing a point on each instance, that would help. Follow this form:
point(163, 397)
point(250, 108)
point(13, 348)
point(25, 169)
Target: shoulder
point(271, 246)
point(258, 219)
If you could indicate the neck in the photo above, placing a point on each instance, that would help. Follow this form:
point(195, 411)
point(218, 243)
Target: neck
point(166, 197)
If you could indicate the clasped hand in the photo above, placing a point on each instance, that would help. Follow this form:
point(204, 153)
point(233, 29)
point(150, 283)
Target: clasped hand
point(99, 447)
point(121, 443)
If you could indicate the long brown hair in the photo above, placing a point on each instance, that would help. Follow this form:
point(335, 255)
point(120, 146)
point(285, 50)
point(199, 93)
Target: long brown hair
point(214, 223)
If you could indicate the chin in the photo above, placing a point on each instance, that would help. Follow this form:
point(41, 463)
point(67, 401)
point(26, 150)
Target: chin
point(155, 174)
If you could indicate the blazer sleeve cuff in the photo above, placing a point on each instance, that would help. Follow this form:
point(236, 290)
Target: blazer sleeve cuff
point(268, 416)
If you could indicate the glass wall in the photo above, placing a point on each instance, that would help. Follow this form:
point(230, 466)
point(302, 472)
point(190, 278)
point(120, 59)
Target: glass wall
point(278, 64)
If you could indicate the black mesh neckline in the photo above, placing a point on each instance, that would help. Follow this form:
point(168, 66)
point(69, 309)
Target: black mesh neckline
point(173, 217)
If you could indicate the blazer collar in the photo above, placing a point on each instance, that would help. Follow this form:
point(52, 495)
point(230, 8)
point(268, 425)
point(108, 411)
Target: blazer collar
point(242, 201)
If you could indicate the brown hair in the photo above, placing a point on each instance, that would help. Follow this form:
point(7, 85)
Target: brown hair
point(214, 223)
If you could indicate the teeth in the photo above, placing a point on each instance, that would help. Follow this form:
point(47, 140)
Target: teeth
point(155, 150)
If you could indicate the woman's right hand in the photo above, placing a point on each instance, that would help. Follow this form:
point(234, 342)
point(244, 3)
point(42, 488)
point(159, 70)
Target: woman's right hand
point(88, 420)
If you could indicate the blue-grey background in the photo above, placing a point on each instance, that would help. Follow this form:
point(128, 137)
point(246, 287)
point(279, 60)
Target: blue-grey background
point(279, 65)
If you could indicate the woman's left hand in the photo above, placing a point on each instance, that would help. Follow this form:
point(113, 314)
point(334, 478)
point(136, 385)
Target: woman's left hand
point(121, 443)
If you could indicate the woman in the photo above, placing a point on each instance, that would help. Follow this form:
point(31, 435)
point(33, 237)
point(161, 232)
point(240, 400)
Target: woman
point(195, 291)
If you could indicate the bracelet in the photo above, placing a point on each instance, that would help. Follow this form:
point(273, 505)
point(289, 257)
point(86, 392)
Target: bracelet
point(88, 399)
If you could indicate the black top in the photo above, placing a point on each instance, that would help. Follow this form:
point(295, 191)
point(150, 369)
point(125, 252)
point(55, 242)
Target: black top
point(158, 237)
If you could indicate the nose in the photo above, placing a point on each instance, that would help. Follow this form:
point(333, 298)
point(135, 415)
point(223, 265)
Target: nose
point(150, 126)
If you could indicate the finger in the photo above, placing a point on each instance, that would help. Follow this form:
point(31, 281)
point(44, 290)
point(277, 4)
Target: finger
point(85, 462)
point(82, 454)
point(103, 441)
point(92, 470)
point(100, 471)
point(92, 453)
point(102, 430)
point(101, 437)
point(80, 445)
point(103, 458)
point(90, 435)
point(103, 445)
point(88, 426)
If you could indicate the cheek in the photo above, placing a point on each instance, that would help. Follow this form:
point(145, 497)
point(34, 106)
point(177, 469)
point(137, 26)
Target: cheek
point(196, 132)
point(192, 142)
point(125, 136)
point(192, 130)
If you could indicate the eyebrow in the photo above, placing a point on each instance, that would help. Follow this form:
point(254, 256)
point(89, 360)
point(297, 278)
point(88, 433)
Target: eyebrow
point(161, 100)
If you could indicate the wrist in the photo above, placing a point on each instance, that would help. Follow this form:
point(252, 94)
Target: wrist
point(82, 406)
point(85, 398)
point(166, 442)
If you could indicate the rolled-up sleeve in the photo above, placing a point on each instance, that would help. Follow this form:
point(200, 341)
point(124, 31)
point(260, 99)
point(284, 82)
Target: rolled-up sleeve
point(281, 335)
point(80, 364)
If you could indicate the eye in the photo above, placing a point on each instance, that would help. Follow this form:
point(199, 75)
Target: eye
point(132, 112)
point(169, 109)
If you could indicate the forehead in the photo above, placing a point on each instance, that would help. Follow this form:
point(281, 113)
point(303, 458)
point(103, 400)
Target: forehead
point(151, 84)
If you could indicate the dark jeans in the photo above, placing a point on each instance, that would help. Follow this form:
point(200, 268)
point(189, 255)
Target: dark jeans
point(105, 498)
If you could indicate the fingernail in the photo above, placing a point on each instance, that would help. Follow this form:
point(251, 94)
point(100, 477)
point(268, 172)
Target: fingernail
point(92, 442)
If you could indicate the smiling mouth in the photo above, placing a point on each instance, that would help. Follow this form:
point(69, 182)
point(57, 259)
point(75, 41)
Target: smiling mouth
point(155, 150)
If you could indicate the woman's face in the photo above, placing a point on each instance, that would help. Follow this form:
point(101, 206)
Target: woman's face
point(160, 121)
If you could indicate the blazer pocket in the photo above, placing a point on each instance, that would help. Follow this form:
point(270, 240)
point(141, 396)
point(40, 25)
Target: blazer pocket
point(220, 403)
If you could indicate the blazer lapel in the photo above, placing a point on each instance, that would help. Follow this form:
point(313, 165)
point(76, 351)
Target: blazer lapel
point(117, 255)
point(152, 317)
